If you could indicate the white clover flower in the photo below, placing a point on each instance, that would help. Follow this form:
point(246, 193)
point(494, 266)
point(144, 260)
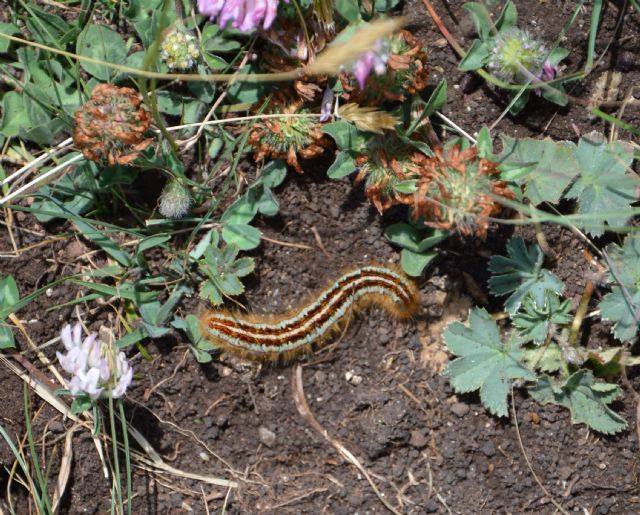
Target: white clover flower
point(96, 366)
point(179, 50)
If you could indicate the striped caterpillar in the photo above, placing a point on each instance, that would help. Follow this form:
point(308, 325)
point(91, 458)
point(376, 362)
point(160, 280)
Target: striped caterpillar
point(275, 338)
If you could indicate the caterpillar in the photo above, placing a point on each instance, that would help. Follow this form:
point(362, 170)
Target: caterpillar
point(277, 338)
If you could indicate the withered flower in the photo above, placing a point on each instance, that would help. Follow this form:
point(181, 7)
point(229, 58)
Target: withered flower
point(290, 49)
point(457, 190)
point(406, 74)
point(110, 126)
point(388, 162)
point(288, 137)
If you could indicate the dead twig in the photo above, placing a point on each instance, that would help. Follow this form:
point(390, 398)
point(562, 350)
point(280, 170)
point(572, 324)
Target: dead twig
point(526, 458)
point(305, 411)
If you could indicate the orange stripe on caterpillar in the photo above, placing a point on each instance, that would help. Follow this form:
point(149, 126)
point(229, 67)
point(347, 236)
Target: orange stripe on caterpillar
point(283, 337)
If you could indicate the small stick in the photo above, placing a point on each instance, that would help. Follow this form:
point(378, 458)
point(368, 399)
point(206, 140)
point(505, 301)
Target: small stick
point(526, 458)
point(303, 408)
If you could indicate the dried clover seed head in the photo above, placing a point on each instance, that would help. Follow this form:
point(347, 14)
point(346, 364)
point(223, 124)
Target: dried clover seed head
point(457, 190)
point(388, 162)
point(110, 126)
point(179, 50)
point(288, 137)
point(175, 200)
point(515, 53)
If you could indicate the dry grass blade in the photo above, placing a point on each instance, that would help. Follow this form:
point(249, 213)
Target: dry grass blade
point(526, 458)
point(342, 54)
point(304, 410)
point(368, 118)
point(65, 469)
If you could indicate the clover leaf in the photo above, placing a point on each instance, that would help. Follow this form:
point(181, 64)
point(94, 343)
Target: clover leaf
point(485, 363)
point(586, 400)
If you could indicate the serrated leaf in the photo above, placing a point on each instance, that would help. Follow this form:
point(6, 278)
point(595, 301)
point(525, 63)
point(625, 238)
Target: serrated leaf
point(521, 274)
point(605, 189)
point(534, 322)
point(485, 363)
point(622, 304)
point(547, 166)
point(546, 358)
point(586, 400)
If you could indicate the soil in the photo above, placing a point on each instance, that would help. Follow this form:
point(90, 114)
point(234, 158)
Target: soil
point(379, 389)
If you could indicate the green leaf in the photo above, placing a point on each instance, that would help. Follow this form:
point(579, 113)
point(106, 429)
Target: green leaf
point(414, 263)
point(586, 400)
point(622, 304)
point(436, 100)
point(481, 18)
point(244, 236)
point(534, 322)
point(105, 243)
point(484, 143)
point(476, 57)
point(7, 340)
point(407, 236)
point(546, 167)
point(222, 270)
point(484, 362)
point(508, 17)
point(346, 136)
point(10, 30)
point(9, 294)
point(547, 358)
point(606, 187)
point(102, 43)
point(14, 114)
point(348, 9)
point(344, 165)
point(521, 274)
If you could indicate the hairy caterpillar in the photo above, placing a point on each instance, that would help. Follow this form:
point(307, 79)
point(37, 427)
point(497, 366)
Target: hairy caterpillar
point(274, 338)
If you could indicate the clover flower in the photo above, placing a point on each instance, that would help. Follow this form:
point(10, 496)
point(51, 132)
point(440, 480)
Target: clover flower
point(96, 367)
point(110, 126)
point(372, 60)
point(245, 15)
point(179, 49)
point(516, 56)
point(175, 200)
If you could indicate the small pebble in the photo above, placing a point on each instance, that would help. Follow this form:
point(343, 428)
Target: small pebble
point(460, 409)
point(267, 437)
point(418, 439)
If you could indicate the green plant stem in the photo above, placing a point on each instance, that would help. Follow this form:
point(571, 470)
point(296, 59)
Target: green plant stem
point(593, 31)
point(149, 94)
point(187, 77)
point(116, 461)
point(127, 454)
point(44, 499)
